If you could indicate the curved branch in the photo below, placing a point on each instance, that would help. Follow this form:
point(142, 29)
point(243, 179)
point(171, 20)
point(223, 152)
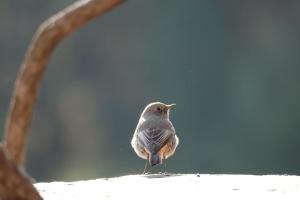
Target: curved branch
point(48, 35)
point(14, 183)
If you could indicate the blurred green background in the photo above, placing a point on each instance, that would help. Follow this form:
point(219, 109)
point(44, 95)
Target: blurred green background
point(232, 68)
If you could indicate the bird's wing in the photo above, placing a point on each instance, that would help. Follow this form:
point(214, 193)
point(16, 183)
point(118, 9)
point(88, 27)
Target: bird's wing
point(154, 138)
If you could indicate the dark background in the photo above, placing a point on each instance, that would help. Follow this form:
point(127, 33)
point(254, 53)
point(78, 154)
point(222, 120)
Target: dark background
point(232, 68)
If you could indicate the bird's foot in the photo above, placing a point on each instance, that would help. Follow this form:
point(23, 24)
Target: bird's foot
point(165, 173)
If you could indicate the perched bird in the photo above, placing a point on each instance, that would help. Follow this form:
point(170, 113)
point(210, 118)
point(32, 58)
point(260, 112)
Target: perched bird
point(154, 138)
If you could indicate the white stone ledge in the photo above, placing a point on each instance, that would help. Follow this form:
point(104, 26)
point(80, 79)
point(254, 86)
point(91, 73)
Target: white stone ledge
point(176, 186)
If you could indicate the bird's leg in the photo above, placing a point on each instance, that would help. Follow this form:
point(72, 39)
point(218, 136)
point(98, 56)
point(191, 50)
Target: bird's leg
point(165, 165)
point(145, 168)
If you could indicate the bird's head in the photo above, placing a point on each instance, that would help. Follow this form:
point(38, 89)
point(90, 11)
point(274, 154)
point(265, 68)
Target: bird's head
point(157, 109)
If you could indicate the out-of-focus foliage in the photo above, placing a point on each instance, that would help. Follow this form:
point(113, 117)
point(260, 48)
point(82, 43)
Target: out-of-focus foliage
point(232, 67)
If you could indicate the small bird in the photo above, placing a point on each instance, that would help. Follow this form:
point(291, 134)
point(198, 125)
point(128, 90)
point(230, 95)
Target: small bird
point(154, 138)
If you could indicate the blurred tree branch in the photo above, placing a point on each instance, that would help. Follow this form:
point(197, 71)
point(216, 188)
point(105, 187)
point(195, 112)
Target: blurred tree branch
point(14, 183)
point(47, 37)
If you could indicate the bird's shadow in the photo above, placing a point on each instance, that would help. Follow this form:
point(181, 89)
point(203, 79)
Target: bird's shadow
point(160, 175)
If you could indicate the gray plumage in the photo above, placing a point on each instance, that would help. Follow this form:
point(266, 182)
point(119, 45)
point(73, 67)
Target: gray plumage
point(154, 138)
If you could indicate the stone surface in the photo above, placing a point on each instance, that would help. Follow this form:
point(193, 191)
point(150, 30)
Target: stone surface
point(176, 186)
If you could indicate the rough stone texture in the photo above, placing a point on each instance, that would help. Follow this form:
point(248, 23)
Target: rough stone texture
point(176, 186)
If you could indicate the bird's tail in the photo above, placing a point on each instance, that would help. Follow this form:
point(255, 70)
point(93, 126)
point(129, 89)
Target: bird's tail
point(154, 159)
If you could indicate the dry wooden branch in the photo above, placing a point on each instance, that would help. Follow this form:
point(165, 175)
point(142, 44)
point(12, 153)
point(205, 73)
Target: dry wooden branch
point(48, 35)
point(14, 183)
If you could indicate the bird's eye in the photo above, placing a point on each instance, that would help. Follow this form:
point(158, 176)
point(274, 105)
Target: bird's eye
point(158, 109)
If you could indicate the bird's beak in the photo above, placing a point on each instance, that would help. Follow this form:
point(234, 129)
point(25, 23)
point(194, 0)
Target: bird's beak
point(171, 105)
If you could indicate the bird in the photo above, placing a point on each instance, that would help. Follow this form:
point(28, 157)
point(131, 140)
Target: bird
point(155, 137)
